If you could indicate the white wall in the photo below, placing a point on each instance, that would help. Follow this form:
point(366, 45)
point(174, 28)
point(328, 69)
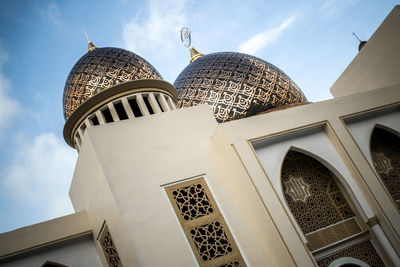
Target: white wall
point(134, 159)
point(74, 252)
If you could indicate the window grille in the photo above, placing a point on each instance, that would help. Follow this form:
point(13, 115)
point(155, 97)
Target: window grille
point(109, 249)
point(203, 224)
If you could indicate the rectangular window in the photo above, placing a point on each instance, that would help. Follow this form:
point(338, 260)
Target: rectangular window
point(203, 224)
point(119, 108)
point(83, 128)
point(94, 120)
point(107, 115)
point(135, 107)
point(109, 249)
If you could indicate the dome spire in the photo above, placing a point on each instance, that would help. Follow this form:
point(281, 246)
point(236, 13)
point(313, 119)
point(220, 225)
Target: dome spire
point(362, 43)
point(91, 46)
point(194, 54)
point(186, 41)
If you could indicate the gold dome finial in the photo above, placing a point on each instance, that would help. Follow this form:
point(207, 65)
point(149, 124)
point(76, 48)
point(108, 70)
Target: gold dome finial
point(91, 46)
point(186, 41)
point(194, 54)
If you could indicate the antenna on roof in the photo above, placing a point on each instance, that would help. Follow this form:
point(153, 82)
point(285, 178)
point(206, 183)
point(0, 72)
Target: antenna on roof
point(362, 43)
point(91, 46)
point(187, 41)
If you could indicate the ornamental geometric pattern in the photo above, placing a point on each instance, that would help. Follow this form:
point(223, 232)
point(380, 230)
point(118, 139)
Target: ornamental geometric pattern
point(203, 224)
point(109, 249)
point(332, 234)
point(325, 204)
point(385, 148)
point(381, 163)
point(100, 69)
point(211, 241)
point(363, 251)
point(234, 263)
point(297, 189)
point(192, 201)
point(235, 86)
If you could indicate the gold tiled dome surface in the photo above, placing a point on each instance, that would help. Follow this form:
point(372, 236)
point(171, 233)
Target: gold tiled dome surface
point(100, 69)
point(235, 85)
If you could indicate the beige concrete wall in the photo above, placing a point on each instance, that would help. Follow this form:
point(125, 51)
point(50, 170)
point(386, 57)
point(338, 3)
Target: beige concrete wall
point(67, 240)
point(78, 251)
point(135, 158)
point(331, 114)
point(37, 235)
point(90, 191)
point(123, 166)
point(377, 65)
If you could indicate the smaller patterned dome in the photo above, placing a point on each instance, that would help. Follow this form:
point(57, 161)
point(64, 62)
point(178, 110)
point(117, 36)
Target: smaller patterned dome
point(235, 86)
point(100, 69)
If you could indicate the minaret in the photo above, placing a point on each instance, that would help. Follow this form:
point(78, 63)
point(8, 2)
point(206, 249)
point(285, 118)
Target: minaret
point(110, 85)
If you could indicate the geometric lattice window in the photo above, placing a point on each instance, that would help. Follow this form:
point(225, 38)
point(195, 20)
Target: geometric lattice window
point(317, 204)
point(385, 150)
point(203, 224)
point(109, 249)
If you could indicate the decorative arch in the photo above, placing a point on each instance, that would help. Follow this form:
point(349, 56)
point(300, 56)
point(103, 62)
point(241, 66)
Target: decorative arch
point(342, 183)
point(316, 201)
point(385, 155)
point(320, 207)
point(348, 262)
point(53, 264)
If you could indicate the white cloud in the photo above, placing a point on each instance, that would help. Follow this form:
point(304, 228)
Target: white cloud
point(39, 175)
point(51, 12)
point(8, 106)
point(159, 31)
point(262, 39)
point(328, 9)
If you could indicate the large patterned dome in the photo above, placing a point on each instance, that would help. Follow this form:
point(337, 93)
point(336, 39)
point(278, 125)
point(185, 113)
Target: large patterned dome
point(100, 69)
point(235, 85)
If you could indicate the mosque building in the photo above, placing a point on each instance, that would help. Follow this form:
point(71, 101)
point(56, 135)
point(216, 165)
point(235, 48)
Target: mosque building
point(229, 166)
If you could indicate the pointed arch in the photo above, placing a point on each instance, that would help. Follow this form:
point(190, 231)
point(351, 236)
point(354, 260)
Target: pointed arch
point(319, 205)
point(385, 156)
point(348, 261)
point(338, 177)
point(315, 200)
point(53, 264)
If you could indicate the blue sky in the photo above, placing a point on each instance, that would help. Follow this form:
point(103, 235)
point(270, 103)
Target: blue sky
point(40, 41)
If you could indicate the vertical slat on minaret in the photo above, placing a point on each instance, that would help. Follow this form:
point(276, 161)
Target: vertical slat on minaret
point(154, 104)
point(171, 103)
point(163, 102)
point(100, 117)
point(113, 112)
point(142, 105)
point(127, 108)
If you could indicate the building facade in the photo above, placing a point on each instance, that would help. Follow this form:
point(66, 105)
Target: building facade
point(231, 166)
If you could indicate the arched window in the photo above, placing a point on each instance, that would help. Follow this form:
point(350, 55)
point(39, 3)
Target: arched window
point(53, 264)
point(348, 262)
point(385, 152)
point(322, 211)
